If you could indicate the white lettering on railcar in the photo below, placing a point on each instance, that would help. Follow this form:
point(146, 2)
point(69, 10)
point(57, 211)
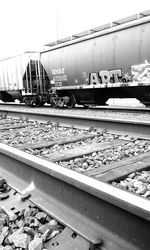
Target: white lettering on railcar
point(59, 76)
point(58, 71)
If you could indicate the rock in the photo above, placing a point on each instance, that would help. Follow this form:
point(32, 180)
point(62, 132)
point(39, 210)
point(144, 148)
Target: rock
point(94, 154)
point(146, 174)
point(143, 179)
point(36, 244)
point(132, 175)
point(2, 181)
point(49, 218)
point(29, 231)
point(21, 240)
point(3, 234)
point(137, 183)
point(41, 216)
point(42, 229)
point(90, 162)
point(31, 221)
point(129, 180)
point(148, 187)
point(20, 223)
point(21, 213)
point(85, 165)
point(17, 232)
point(12, 216)
point(6, 187)
point(54, 233)
point(131, 189)
point(52, 225)
point(35, 224)
point(6, 248)
point(4, 219)
point(33, 211)
point(46, 235)
point(6, 241)
point(27, 212)
point(104, 161)
point(141, 189)
point(147, 194)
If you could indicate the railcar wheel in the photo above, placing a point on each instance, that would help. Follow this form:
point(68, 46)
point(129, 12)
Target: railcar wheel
point(53, 105)
point(60, 102)
point(39, 102)
point(71, 103)
point(28, 102)
point(53, 102)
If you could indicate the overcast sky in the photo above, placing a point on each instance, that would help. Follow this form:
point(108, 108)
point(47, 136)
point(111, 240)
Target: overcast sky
point(27, 25)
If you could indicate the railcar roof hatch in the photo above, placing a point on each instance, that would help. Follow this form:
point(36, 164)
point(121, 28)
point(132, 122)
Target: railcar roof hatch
point(125, 20)
point(99, 28)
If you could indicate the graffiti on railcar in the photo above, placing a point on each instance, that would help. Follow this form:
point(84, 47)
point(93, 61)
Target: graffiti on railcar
point(141, 72)
point(105, 77)
point(138, 73)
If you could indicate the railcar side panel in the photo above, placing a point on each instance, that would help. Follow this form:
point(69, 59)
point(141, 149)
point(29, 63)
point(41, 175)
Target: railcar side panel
point(11, 73)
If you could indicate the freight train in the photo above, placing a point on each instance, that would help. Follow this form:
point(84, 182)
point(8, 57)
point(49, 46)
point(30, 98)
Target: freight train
point(110, 61)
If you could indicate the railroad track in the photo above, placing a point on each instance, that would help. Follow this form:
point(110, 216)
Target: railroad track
point(82, 214)
point(112, 108)
point(114, 125)
point(96, 152)
point(99, 215)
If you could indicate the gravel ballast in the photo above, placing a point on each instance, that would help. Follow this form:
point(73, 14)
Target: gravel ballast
point(138, 183)
point(26, 228)
point(108, 156)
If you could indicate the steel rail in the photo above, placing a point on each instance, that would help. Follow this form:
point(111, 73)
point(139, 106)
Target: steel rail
point(113, 125)
point(114, 108)
point(99, 212)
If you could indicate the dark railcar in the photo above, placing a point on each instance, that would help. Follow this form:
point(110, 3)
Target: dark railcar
point(111, 62)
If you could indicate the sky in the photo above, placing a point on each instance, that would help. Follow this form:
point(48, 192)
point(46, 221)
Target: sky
point(27, 25)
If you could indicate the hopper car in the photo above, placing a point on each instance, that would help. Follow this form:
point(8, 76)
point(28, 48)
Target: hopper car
point(109, 61)
point(23, 78)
